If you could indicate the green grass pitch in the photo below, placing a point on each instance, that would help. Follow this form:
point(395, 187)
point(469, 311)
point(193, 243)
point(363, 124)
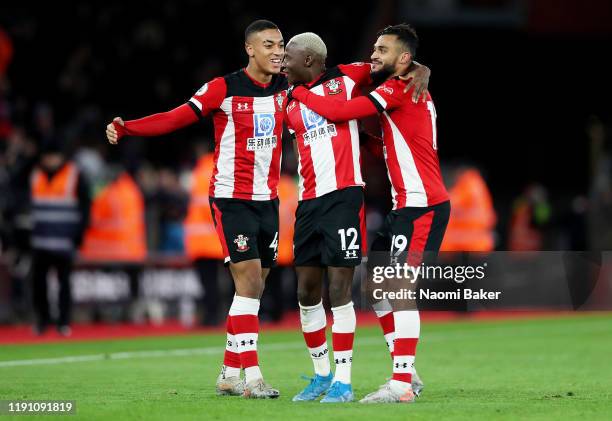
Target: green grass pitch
point(556, 368)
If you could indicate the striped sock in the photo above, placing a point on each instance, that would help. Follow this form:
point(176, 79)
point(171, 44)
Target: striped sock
point(343, 335)
point(243, 314)
point(231, 359)
point(313, 327)
point(385, 318)
point(407, 330)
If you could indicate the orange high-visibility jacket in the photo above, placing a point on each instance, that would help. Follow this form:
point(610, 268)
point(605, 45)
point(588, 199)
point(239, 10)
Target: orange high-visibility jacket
point(472, 218)
point(55, 209)
point(522, 235)
point(116, 229)
point(201, 240)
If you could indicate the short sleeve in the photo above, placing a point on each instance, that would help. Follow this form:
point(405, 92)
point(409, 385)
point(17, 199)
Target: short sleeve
point(387, 96)
point(359, 72)
point(209, 97)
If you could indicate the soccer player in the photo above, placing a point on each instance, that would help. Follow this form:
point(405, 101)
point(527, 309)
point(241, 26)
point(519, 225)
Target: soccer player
point(330, 226)
point(247, 111)
point(420, 201)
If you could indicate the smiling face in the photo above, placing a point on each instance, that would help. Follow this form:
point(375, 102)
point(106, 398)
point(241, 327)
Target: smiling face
point(295, 64)
point(388, 55)
point(266, 49)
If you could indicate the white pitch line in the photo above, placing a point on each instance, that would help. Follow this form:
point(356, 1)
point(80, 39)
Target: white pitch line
point(491, 332)
point(187, 352)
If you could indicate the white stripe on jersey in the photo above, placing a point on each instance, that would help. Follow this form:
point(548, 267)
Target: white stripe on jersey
point(263, 158)
point(260, 173)
point(300, 180)
point(415, 191)
point(379, 98)
point(299, 170)
point(323, 160)
point(196, 103)
point(354, 129)
point(263, 104)
point(224, 180)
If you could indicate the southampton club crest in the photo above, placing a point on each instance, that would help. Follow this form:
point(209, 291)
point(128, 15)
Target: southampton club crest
point(241, 242)
point(279, 101)
point(333, 86)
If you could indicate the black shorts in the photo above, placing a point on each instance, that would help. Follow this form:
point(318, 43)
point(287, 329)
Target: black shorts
point(408, 232)
point(247, 229)
point(330, 230)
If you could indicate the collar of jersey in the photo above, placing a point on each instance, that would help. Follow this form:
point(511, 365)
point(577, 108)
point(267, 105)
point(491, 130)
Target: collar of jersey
point(255, 82)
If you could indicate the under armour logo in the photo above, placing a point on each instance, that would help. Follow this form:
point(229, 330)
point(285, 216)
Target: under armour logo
point(243, 106)
point(249, 342)
point(343, 360)
point(403, 365)
point(351, 254)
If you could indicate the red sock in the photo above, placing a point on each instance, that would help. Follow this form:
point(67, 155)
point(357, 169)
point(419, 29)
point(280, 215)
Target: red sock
point(387, 323)
point(245, 322)
point(407, 332)
point(231, 359)
point(403, 359)
point(246, 331)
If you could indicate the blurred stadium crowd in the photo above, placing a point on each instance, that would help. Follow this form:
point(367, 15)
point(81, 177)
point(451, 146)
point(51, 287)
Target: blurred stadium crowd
point(58, 89)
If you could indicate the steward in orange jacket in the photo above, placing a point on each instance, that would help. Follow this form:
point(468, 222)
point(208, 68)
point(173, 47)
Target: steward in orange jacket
point(472, 219)
point(117, 229)
point(60, 211)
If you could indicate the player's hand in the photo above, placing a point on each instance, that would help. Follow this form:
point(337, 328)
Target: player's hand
point(420, 80)
point(111, 132)
point(290, 91)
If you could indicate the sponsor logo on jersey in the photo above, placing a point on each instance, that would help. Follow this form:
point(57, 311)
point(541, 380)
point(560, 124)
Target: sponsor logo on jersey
point(241, 242)
point(242, 106)
point(263, 132)
point(317, 127)
point(385, 89)
point(334, 87)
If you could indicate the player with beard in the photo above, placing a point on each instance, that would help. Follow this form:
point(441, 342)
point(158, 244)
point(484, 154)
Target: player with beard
point(330, 227)
point(420, 201)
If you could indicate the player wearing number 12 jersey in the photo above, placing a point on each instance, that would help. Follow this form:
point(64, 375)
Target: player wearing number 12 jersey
point(247, 111)
point(420, 201)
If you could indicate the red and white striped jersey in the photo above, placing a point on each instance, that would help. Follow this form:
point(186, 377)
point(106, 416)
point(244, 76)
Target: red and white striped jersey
point(248, 122)
point(328, 152)
point(410, 146)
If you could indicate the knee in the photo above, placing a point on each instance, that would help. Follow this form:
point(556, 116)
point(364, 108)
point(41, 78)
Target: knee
point(308, 295)
point(309, 291)
point(339, 292)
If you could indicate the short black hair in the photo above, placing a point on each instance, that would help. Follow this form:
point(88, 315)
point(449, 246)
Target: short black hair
point(258, 26)
point(404, 33)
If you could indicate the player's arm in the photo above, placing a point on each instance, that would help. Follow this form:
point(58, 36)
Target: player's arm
point(207, 98)
point(419, 78)
point(153, 125)
point(333, 109)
